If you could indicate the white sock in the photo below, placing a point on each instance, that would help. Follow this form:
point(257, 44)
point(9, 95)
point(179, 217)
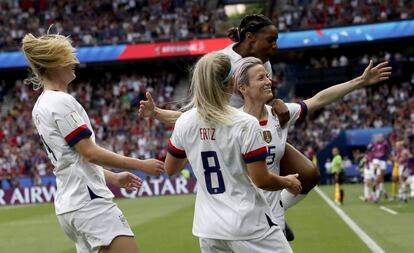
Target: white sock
point(367, 193)
point(412, 187)
point(289, 200)
point(379, 190)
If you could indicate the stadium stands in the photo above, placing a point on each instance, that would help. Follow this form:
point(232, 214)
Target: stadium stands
point(115, 22)
point(112, 110)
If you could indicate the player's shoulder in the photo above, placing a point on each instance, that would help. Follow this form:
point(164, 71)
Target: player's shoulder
point(292, 106)
point(240, 117)
point(229, 51)
point(187, 117)
point(57, 97)
point(55, 101)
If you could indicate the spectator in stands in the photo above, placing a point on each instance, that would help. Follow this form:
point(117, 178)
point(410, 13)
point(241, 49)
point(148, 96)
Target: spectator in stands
point(65, 131)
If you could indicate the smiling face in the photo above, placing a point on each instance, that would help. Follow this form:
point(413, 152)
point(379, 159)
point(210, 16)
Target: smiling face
point(259, 88)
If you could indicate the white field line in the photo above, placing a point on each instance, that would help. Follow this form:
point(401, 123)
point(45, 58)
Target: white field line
point(372, 245)
point(388, 210)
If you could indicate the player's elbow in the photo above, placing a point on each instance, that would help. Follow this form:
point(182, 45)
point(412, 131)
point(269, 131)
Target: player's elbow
point(170, 171)
point(90, 156)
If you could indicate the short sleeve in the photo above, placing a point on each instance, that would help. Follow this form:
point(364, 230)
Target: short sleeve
point(70, 124)
point(298, 112)
point(253, 146)
point(175, 144)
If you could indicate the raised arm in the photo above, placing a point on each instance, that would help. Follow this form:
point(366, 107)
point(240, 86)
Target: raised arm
point(100, 156)
point(148, 109)
point(371, 75)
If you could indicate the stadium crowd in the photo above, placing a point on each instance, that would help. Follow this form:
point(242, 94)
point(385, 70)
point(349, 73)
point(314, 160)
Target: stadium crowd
point(112, 108)
point(314, 14)
point(134, 21)
point(107, 21)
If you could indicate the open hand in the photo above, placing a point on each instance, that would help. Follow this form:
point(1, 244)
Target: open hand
point(373, 75)
point(127, 180)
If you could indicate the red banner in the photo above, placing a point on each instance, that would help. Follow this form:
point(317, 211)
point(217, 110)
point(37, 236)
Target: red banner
point(151, 187)
point(173, 49)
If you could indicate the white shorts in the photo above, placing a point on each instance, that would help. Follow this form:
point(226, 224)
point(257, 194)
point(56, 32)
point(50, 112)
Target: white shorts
point(403, 171)
point(275, 242)
point(369, 175)
point(381, 164)
point(94, 225)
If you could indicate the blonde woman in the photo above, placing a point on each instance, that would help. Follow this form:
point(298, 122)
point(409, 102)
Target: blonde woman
point(253, 84)
point(83, 202)
point(226, 150)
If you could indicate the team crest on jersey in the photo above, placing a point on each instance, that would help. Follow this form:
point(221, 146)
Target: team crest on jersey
point(267, 136)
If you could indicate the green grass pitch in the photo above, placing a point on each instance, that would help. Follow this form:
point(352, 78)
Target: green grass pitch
point(163, 225)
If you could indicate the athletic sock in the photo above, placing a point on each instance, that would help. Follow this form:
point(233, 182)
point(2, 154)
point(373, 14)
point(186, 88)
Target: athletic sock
point(289, 200)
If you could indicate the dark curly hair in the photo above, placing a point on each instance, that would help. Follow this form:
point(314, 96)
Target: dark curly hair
point(251, 23)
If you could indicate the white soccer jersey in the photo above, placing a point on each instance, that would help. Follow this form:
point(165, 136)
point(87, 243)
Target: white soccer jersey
point(275, 138)
point(228, 205)
point(236, 99)
point(61, 122)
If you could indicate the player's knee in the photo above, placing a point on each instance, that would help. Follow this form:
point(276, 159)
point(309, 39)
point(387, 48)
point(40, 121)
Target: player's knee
point(310, 179)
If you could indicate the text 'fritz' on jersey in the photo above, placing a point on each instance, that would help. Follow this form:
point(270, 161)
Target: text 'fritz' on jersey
point(207, 134)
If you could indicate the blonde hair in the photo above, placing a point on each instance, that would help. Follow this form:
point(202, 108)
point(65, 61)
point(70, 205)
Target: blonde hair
point(46, 52)
point(209, 87)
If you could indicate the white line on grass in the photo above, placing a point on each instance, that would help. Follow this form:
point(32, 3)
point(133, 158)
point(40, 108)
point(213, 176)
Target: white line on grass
point(375, 248)
point(388, 210)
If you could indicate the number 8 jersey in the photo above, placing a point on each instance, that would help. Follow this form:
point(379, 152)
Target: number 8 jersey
point(228, 205)
point(62, 122)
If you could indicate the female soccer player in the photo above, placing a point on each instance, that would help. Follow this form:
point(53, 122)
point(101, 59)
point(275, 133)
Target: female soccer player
point(83, 202)
point(226, 150)
point(256, 36)
point(253, 84)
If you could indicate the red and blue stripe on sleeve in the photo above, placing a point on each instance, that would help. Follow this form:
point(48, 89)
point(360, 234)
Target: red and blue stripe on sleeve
point(78, 134)
point(255, 155)
point(177, 153)
point(303, 113)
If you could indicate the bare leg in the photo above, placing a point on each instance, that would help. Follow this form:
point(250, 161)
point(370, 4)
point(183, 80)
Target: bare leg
point(293, 162)
point(124, 244)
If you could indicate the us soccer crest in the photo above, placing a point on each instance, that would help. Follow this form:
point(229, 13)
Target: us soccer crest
point(267, 136)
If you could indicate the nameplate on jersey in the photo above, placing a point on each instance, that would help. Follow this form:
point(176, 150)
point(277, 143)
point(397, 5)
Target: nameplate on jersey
point(267, 136)
point(74, 120)
point(207, 134)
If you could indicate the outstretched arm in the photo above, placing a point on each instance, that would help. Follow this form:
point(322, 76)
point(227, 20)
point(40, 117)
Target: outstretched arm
point(371, 75)
point(123, 179)
point(148, 109)
point(100, 156)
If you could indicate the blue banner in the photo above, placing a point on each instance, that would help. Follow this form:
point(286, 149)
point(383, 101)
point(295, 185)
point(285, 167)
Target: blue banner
point(346, 34)
point(362, 137)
